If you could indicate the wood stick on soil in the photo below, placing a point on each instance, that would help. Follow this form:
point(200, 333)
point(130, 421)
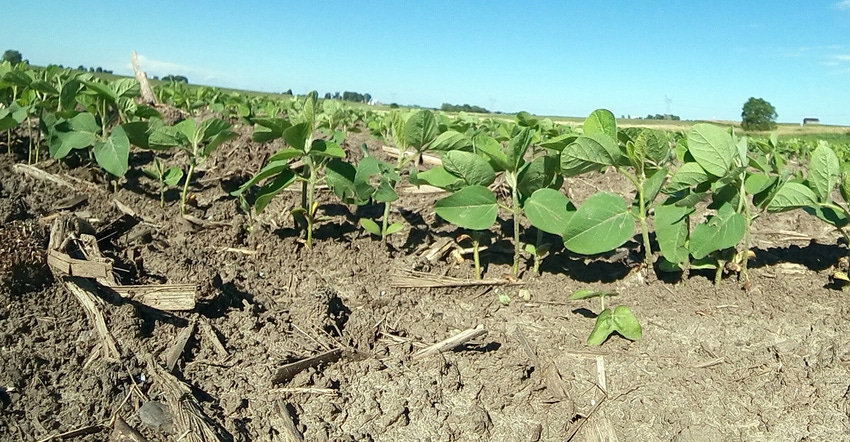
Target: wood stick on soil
point(415, 279)
point(176, 350)
point(83, 290)
point(209, 333)
point(284, 423)
point(306, 390)
point(39, 174)
point(147, 92)
point(426, 159)
point(122, 432)
point(82, 431)
point(555, 384)
point(452, 342)
point(167, 297)
point(64, 264)
point(190, 422)
point(288, 371)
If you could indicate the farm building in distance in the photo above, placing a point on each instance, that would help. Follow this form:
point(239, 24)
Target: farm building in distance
point(807, 121)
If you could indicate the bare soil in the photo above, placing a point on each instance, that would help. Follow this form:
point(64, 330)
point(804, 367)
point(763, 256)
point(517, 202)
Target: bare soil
point(715, 363)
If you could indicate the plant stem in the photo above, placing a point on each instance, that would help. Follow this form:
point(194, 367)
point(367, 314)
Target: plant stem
point(476, 237)
point(515, 211)
point(186, 185)
point(311, 195)
point(537, 257)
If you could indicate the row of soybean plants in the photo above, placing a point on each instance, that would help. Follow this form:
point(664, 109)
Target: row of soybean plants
point(732, 180)
point(76, 114)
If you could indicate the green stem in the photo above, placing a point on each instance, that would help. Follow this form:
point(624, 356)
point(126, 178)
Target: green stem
point(748, 217)
point(311, 196)
point(476, 237)
point(515, 211)
point(641, 216)
point(186, 185)
point(537, 257)
point(718, 274)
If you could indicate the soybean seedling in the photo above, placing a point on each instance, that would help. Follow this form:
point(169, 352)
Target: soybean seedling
point(620, 319)
point(166, 177)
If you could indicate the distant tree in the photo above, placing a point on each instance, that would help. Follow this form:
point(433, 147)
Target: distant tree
point(758, 114)
point(98, 69)
point(447, 107)
point(393, 105)
point(367, 98)
point(328, 96)
point(288, 92)
point(81, 68)
point(175, 79)
point(663, 117)
point(12, 56)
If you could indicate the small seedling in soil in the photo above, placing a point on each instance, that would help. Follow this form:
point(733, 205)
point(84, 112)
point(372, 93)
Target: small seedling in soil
point(169, 177)
point(620, 319)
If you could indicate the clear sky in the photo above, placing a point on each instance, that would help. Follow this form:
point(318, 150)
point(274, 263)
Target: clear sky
point(695, 59)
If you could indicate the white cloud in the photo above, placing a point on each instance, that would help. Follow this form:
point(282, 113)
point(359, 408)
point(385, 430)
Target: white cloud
point(843, 4)
point(842, 57)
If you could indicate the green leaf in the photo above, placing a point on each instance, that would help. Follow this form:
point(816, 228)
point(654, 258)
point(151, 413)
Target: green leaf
point(588, 153)
point(473, 207)
point(296, 136)
point(172, 176)
point(103, 91)
point(113, 155)
point(517, 147)
point(657, 145)
point(601, 224)
point(560, 142)
point(450, 141)
point(285, 154)
point(792, 196)
point(601, 121)
point(830, 215)
point(394, 228)
point(626, 324)
point(370, 226)
point(549, 210)
point(758, 182)
point(217, 140)
point(264, 196)
point(470, 167)
point(68, 95)
point(689, 175)
point(327, 149)
point(137, 132)
point(536, 175)
point(590, 293)
point(420, 129)
point(268, 129)
point(824, 171)
point(439, 177)
point(718, 232)
point(339, 176)
point(621, 320)
point(652, 186)
point(671, 231)
point(65, 142)
point(712, 147)
point(271, 169)
point(166, 137)
point(492, 149)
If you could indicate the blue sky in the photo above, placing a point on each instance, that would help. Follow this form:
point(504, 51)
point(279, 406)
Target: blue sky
point(546, 57)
